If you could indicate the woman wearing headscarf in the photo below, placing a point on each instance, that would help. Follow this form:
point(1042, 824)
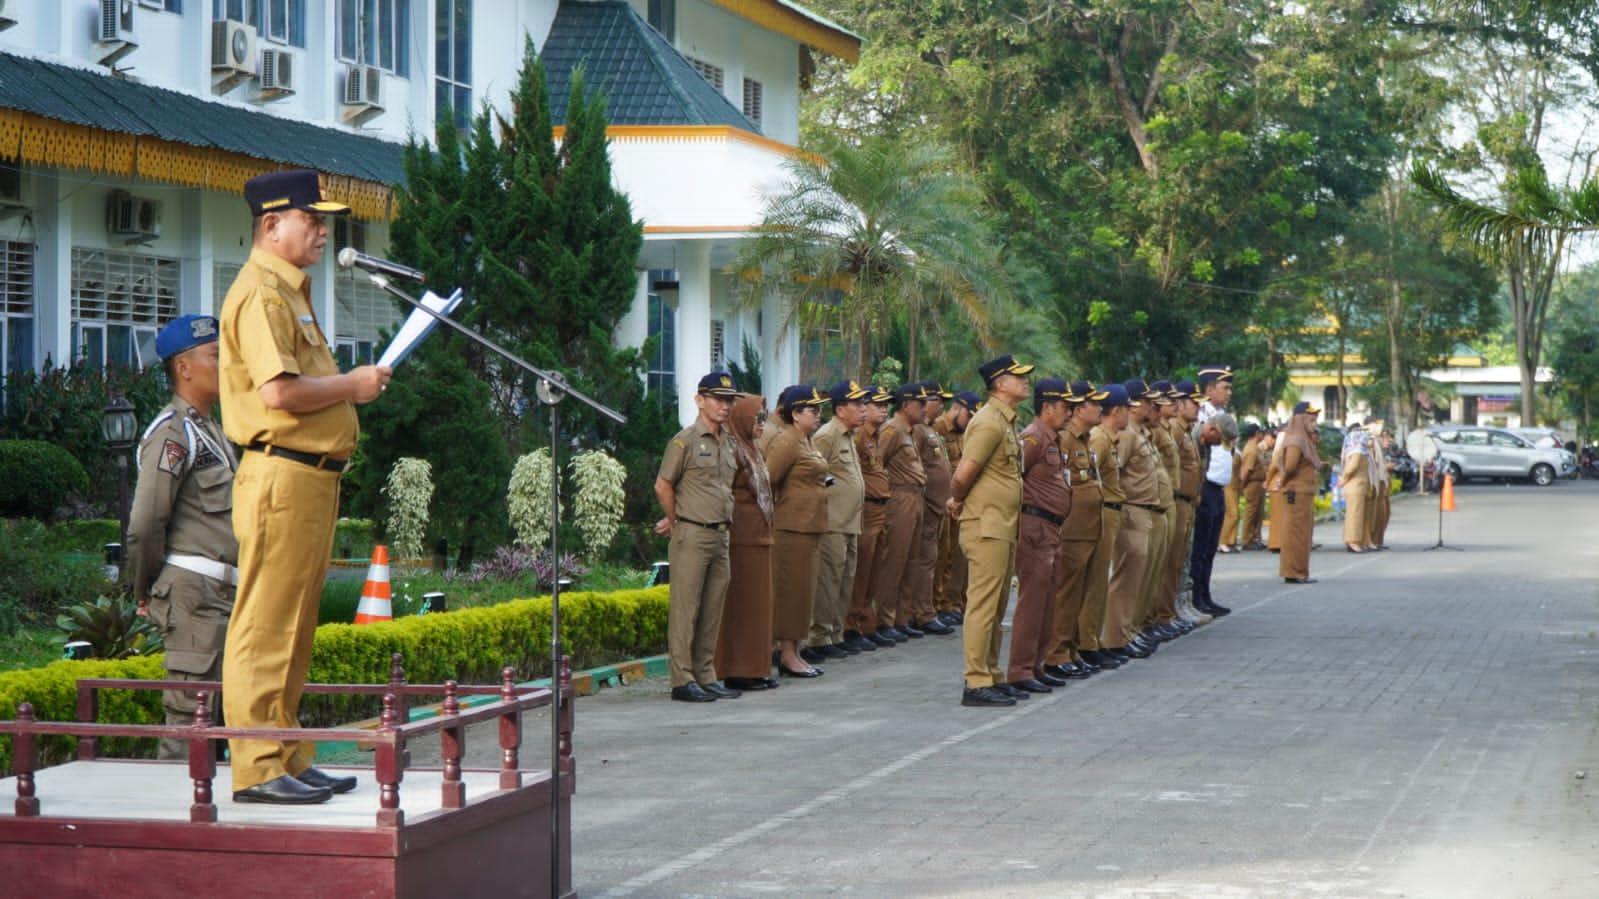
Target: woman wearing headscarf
point(1300, 463)
point(1274, 492)
point(744, 646)
point(1354, 478)
point(799, 492)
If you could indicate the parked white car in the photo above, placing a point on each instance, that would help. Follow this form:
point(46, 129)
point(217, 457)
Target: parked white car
point(1477, 452)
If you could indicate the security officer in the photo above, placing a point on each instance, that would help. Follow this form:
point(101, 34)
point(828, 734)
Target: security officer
point(1079, 536)
point(950, 584)
point(906, 480)
point(1092, 648)
point(285, 401)
point(180, 530)
point(695, 489)
point(1046, 501)
point(986, 496)
point(1140, 464)
point(860, 624)
point(922, 610)
point(839, 545)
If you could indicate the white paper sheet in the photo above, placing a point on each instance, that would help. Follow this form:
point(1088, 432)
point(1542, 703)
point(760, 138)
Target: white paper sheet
point(418, 325)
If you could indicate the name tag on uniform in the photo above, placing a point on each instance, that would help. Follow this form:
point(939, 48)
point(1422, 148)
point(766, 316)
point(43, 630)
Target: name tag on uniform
point(306, 319)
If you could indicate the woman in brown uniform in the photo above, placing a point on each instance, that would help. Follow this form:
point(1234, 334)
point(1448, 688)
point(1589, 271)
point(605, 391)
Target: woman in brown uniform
point(1300, 463)
point(744, 645)
point(799, 490)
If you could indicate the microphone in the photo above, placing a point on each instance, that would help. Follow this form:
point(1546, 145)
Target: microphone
point(349, 258)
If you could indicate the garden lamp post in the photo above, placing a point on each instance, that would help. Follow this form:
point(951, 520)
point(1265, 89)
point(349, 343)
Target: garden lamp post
point(120, 428)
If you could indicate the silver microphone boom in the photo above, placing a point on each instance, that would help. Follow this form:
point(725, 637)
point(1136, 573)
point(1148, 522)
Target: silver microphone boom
point(349, 258)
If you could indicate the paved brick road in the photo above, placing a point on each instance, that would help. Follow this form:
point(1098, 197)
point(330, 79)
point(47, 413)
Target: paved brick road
point(1411, 726)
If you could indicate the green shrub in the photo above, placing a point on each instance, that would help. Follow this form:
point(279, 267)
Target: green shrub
point(112, 627)
point(34, 575)
point(36, 478)
point(353, 539)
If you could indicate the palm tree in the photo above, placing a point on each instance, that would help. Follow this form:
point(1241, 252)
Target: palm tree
point(864, 234)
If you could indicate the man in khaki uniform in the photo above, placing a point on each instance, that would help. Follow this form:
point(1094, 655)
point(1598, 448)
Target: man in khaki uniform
point(838, 547)
point(1092, 649)
point(1046, 501)
point(986, 497)
point(1140, 467)
point(860, 625)
point(695, 489)
point(180, 532)
point(1252, 477)
point(949, 585)
point(285, 401)
point(1171, 620)
point(906, 480)
point(1079, 535)
point(921, 612)
point(1167, 473)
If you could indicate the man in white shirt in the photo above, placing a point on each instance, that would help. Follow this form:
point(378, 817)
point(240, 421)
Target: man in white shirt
point(1216, 382)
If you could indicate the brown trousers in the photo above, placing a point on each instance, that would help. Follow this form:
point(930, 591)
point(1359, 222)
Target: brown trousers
point(796, 559)
point(900, 531)
point(987, 593)
point(1176, 562)
point(1125, 590)
point(1274, 529)
point(1298, 523)
point(834, 581)
point(861, 618)
point(1071, 599)
point(1160, 528)
point(950, 585)
point(1254, 507)
point(1038, 569)
point(916, 603)
point(1091, 624)
point(1229, 521)
point(700, 575)
point(1383, 507)
point(744, 641)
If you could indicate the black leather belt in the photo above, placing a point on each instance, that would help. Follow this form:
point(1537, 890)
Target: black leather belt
point(1160, 509)
point(1051, 517)
point(710, 526)
point(323, 463)
point(1115, 506)
point(879, 500)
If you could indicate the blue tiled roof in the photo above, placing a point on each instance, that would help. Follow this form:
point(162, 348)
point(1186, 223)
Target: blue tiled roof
point(645, 80)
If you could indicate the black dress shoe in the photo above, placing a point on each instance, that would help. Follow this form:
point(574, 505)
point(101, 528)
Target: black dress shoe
point(1077, 670)
point(1134, 650)
point(911, 631)
point(1101, 659)
point(960, 617)
point(1013, 692)
point(950, 619)
point(1084, 664)
point(981, 696)
point(846, 649)
point(811, 654)
point(1032, 685)
point(717, 689)
point(283, 790)
point(934, 626)
point(830, 652)
point(895, 634)
point(692, 693)
point(882, 638)
point(748, 684)
point(1148, 646)
point(1218, 611)
point(1299, 580)
point(1050, 680)
point(860, 641)
point(316, 777)
point(1055, 671)
point(786, 671)
point(771, 683)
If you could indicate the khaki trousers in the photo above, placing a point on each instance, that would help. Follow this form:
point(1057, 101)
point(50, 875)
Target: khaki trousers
point(950, 585)
point(1091, 623)
point(1160, 526)
point(916, 603)
point(991, 563)
point(862, 618)
point(1381, 509)
point(1357, 511)
point(1038, 567)
point(1181, 519)
point(284, 514)
point(1076, 569)
point(900, 531)
point(1126, 585)
point(698, 588)
point(1254, 507)
point(1229, 521)
point(191, 611)
point(835, 580)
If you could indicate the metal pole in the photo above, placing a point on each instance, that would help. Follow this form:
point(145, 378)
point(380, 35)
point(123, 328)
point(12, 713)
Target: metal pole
point(551, 391)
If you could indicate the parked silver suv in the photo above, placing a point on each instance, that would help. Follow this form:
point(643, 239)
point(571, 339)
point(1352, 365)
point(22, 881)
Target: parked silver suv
point(1477, 452)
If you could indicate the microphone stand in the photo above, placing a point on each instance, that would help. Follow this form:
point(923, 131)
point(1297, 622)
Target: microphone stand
point(551, 388)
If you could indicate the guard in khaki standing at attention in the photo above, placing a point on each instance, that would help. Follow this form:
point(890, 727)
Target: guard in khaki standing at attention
point(986, 496)
point(949, 584)
point(180, 532)
point(860, 624)
point(1079, 536)
point(1169, 622)
point(1046, 501)
point(906, 482)
point(285, 401)
point(1092, 647)
point(695, 490)
point(836, 578)
point(919, 606)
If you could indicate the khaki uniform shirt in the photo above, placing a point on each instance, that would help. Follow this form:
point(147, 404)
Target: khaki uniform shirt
point(868, 452)
point(1140, 461)
point(935, 465)
point(184, 501)
point(1190, 476)
point(844, 498)
point(269, 329)
point(1078, 457)
point(1252, 469)
point(799, 496)
point(1167, 472)
point(1107, 459)
point(1046, 482)
point(900, 458)
point(700, 463)
point(952, 441)
point(994, 504)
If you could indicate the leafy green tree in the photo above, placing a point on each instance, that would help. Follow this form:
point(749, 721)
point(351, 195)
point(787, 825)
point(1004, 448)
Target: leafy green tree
point(1574, 358)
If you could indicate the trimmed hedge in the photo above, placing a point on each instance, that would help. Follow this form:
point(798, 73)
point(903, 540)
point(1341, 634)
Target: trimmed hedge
point(36, 477)
point(469, 646)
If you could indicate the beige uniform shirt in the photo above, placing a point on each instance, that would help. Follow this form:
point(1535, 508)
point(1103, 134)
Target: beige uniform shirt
point(699, 464)
point(1107, 456)
point(935, 464)
point(994, 504)
point(897, 446)
point(184, 501)
point(1140, 463)
point(848, 493)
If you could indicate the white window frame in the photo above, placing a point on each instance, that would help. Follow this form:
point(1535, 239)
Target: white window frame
point(16, 304)
point(116, 291)
point(367, 17)
point(753, 100)
point(456, 77)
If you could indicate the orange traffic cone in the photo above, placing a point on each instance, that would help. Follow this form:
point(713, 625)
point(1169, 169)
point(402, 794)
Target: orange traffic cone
point(375, 605)
point(1447, 498)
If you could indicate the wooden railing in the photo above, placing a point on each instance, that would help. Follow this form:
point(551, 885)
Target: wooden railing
point(389, 740)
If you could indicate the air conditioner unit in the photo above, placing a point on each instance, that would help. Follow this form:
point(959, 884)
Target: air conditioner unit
point(115, 24)
point(6, 20)
point(277, 71)
point(363, 86)
point(130, 218)
point(232, 47)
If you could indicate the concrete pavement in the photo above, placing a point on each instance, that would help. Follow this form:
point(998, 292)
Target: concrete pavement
point(1418, 724)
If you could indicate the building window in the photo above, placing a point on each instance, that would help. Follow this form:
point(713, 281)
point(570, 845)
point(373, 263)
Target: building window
point(752, 101)
point(718, 344)
point(663, 16)
point(709, 72)
point(282, 21)
point(119, 302)
point(452, 62)
point(661, 377)
point(375, 33)
point(165, 5)
point(366, 315)
point(16, 306)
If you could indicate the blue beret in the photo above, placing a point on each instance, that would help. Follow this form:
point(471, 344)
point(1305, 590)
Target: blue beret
point(183, 333)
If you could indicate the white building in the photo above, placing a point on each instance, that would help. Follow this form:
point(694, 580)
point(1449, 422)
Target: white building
point(128, 128)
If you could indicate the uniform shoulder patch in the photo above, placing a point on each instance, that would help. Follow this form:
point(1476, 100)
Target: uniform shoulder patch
point(173, 455)
point(680, 443)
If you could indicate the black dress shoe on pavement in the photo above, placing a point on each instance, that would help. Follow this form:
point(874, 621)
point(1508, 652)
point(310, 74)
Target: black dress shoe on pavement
point(1135, 650)
point(1102, 659)
point(1055, 671)
point(950, 619)
point(748, 684)
point(910, 630)
point(811, 654)
point(846, 649)
point(934, 626)
point(830, 652)
point(895, 634)
point(1013, 691)
point(960, 617)
point(1031, 685)
point(1077, 670)
point(882, 638)
point(860, 641)
point(692, 693)
point(316, 777)
point(1218, 611)
point(1050, 680)
point(283, 790)
point(786, 671)
point(717, 689)
point(1299, 580)
point(980, 696)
